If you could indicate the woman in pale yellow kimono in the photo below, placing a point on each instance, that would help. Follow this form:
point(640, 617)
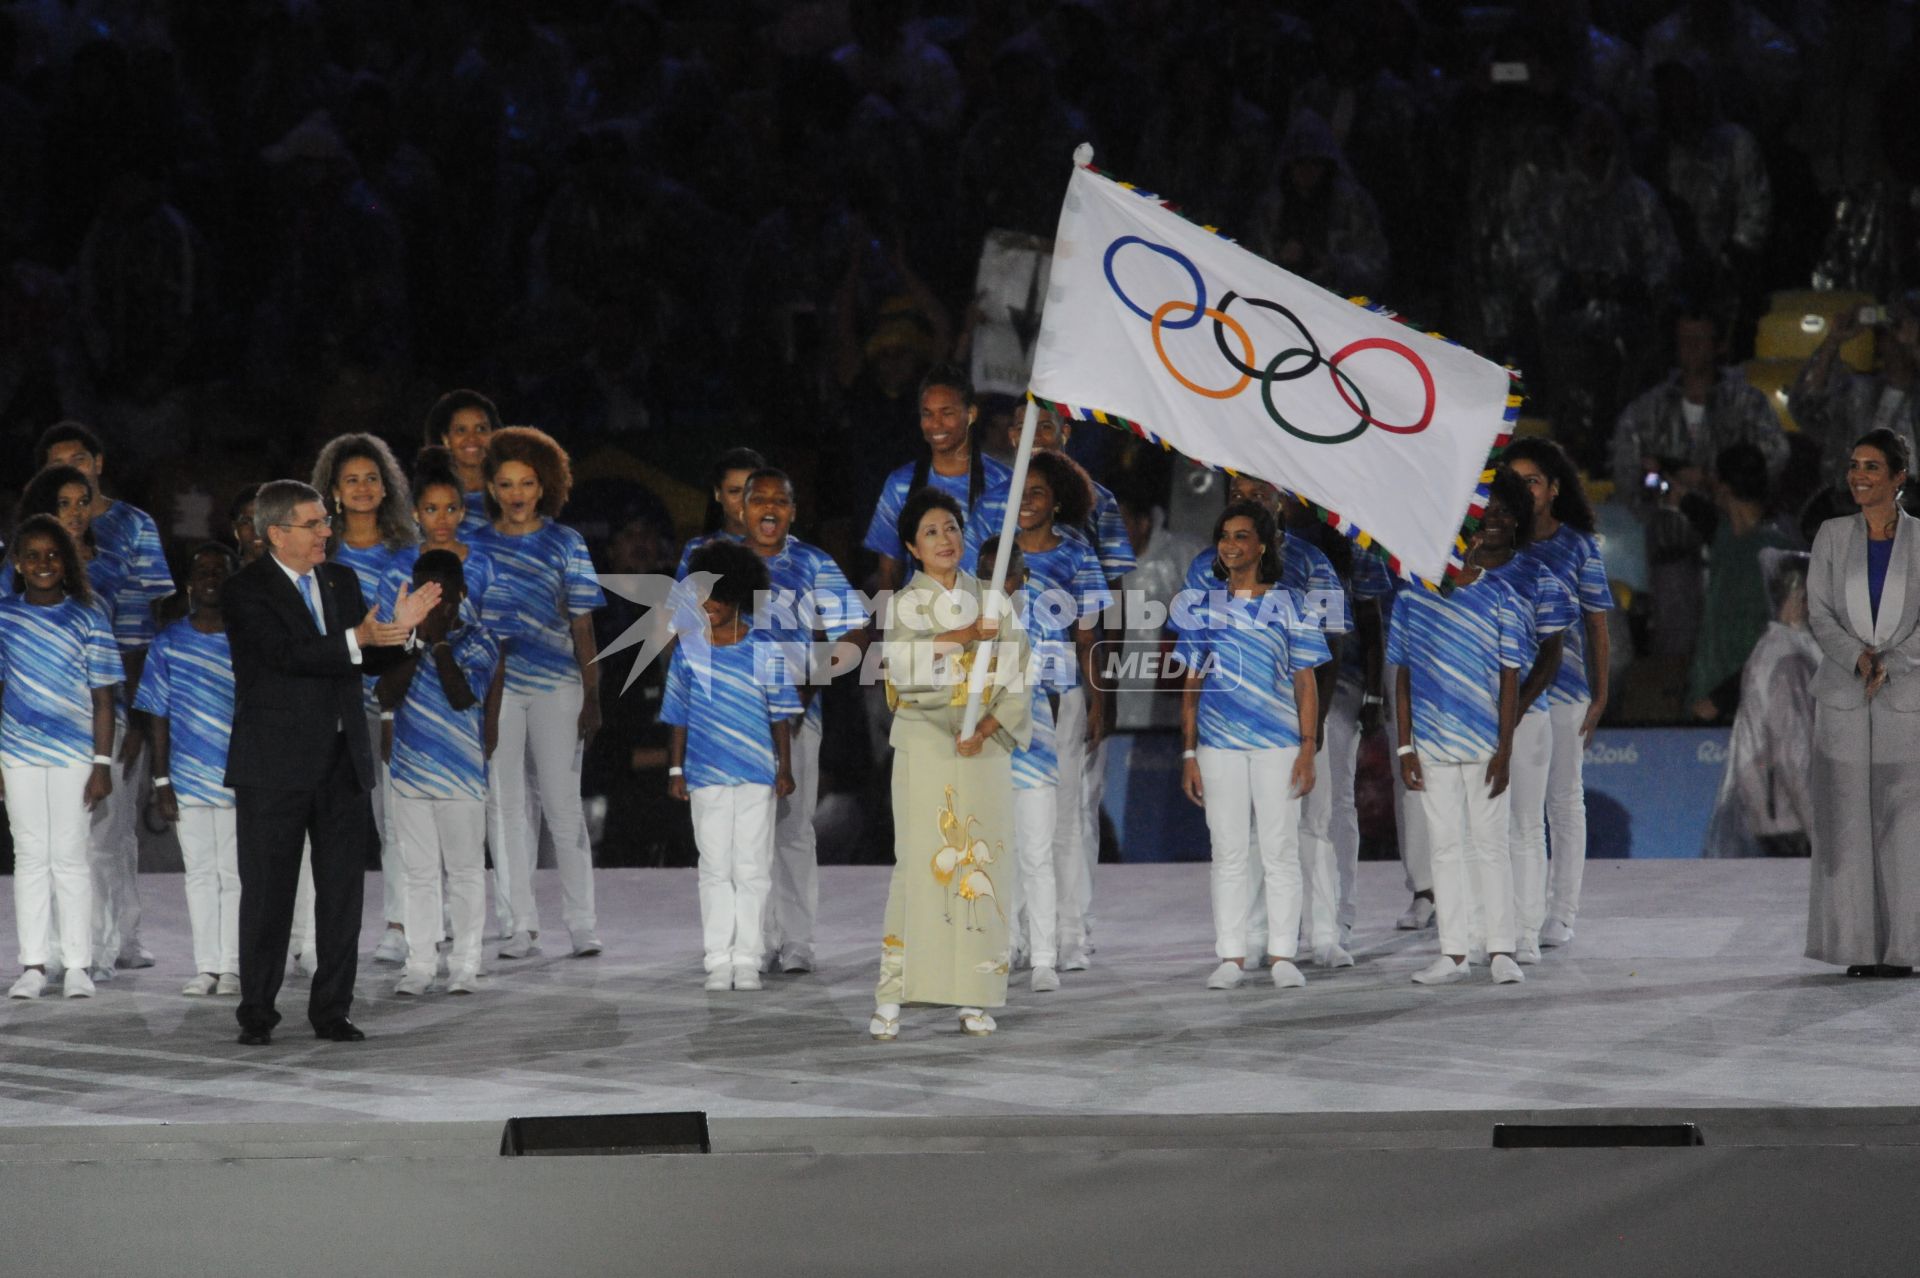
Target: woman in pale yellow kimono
point(945, 940)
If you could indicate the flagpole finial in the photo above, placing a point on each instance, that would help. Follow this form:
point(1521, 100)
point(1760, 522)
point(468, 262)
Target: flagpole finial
point(1083, 154)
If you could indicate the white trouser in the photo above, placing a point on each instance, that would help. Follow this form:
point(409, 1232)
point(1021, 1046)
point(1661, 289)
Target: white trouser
point(1567, 812)
point(1073, 883)
point(431, 834)
point(1335, 770)
point(393, 871)
point(1320, 880)
point(210, 848)
point(113, 857)
point(46, 810)
point(1467, 829)
point(1092, 791)
point(303, 941)
point(794, 898)
point(1034, 823)
point(733, 828)
point(1410, 814)
point(1250, 788)
point(540, 733)
point(1527, 835)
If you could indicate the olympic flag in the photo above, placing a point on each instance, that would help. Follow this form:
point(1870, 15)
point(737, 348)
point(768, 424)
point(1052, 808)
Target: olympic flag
point(1166, 328)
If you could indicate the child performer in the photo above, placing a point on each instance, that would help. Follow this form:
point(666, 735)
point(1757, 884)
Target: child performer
point(1246, 718)
point(187, 694)
point(58, 668)
point(731, 705)
point(438, 771)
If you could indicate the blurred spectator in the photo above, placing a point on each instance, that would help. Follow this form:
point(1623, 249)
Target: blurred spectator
point(1836, 405)
point(1754, 66)
point(1314, 219)
point(1678, 428)
point(1764, 808)
point(1206, 144)
point(1714, 179)
point(143, 286)
point(888, 57)
point(1015, 160)
point(1737, 608)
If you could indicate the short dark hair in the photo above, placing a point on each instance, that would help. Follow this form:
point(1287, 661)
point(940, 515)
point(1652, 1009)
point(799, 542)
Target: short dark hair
point(741, 573)
point(954, 378)
point(1016, 559)
point(915, 509)
point(1072, 489)
point(1264, 528)
point(442, 566)
point(219, 548)
point(770, 472)
point(1892, 446)
point(440, 416)
point(66, 432)
point(239, 502)
point(1511, 491)
point(433, 468)
point(73, 572)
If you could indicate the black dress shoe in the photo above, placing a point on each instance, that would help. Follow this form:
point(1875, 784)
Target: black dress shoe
point(342, 1031)
point(255, 1038)
point(1893, 971)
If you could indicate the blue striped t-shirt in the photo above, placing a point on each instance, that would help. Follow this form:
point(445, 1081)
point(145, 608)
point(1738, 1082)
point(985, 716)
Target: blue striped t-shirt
point(542, 580)
point(188, 681)
point(129, 533)
point(982, 522)
point(1454, 648)
point(729, 716)
point(440, 752)
point(51, 658)
point(1251, 648)
point(1575, 559)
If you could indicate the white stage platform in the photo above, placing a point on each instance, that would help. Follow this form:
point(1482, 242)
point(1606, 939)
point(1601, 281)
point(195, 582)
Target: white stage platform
point(1683, 991)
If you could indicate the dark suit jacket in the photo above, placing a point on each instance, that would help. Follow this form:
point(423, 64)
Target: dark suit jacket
point(294, 687)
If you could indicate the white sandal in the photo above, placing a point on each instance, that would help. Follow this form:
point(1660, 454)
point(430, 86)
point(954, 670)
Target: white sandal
point(885, 1028)
point(976, 1022)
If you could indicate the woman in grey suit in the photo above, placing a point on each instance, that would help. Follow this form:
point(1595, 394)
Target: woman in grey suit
point(1863, 599)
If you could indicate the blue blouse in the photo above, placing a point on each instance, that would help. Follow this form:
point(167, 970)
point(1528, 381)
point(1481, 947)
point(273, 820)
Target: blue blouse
point(1879, 555)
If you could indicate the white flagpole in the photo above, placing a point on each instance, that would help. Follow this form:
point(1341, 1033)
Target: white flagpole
point(1009, 529)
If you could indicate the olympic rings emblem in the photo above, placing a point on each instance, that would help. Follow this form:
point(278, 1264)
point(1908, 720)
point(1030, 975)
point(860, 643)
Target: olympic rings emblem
point(1288, 365)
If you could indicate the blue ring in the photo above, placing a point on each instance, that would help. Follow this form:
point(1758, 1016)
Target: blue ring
point(1199, 285)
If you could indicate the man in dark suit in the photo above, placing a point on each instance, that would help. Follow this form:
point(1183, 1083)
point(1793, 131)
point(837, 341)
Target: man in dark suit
point(299, 760)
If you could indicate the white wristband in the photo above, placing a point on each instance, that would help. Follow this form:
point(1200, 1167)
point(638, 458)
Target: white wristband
point(676, 772)
point(1404, 751)
point(103, 761)
point(163, 783)
point(386, 716)
point(1188, 754)
point(1373, 699)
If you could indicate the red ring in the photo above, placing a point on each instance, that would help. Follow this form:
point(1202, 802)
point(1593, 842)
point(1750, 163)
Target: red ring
point(1387, 344)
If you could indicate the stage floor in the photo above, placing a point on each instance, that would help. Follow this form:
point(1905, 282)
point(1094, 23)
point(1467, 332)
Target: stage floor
point(1684, 989)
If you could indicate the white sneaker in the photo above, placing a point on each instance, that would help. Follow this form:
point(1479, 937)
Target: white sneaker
point(1226, 977)
point(1528, 951)
point(720, 978)
point(1044, 980)
point(1334, 955)
point(1442, 971)
point(1286, 976)
point(464, 983)
point(412, 985)
point(586, 944)
point(392, 947)
point(201, 985)
point(77, 984)
point(518, 946)
point(977, 1023)
point(1074, 960)
point(1556, 933)
point(1505, 971)
point(1419, 916)
point(31, 983)
point(134, 954)
point(229, 983)
point(746, 976)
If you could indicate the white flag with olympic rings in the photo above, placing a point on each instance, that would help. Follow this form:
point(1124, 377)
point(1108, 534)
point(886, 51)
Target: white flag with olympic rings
point(1166, 328)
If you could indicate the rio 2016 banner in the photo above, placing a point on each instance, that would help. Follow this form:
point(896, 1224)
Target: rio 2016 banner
point(1168, 329)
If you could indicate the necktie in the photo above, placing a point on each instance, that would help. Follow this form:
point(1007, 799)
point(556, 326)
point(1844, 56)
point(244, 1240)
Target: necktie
point(313, 603)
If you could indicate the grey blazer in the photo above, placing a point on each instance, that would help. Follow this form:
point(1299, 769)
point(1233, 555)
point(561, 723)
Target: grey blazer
point(1840, 614)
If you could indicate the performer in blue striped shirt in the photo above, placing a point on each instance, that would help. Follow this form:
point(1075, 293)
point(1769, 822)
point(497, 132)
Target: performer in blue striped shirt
point(1460, 656)
point(1358, 698)
point(726, 518)
point(440, 697)
point(1563, 539)
point(1071, 591)
point(462, 422)
point(58, 667)
point(440, 514)
point(187, 694)
point(372, 512)
point(541, 607)
point(810, 602)
point(1247, 706)
point(731, 699)
point(953, 463)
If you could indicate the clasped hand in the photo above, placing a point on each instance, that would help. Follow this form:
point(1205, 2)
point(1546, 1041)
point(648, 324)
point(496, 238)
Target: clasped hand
point(1871, 666)
point(410, 608)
